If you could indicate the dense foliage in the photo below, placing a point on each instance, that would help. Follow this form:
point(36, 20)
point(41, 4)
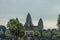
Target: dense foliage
point(16, 28)
point(58, 24)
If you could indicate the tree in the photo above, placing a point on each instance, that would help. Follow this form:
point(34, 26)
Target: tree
point(57, 34)
point(20, 31)
point(36, 32)
point(54, 37)
point(58, 24)
point(1, 33)
point(12, 26)
point(16, 28)
point(7, 33)
point(44, 34)
point(48, 35)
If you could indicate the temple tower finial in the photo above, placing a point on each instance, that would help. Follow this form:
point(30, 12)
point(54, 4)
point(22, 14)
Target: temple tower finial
point(40, 24)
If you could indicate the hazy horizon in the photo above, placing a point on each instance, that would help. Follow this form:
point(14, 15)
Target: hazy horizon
point(48, 10)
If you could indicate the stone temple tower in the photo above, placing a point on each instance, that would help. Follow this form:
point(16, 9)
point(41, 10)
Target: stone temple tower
point(40, 24)
point(28, 24)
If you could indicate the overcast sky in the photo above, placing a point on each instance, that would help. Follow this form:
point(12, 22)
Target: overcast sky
point(48, 10)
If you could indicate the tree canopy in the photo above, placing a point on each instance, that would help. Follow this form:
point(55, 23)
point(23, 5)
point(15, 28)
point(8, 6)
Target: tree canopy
point(16, 28)
point(58, 22)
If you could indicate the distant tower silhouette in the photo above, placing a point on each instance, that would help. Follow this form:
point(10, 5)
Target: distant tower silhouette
point(40, 24)
point(28, 25)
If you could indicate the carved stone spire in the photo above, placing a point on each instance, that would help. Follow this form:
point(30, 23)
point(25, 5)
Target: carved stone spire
point(28, 25)
point(40, 24)
point(28, 19)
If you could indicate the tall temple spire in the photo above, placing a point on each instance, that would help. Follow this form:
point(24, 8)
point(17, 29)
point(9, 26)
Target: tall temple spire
point(28, 19)
point(28, 25)
point(40, 24)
